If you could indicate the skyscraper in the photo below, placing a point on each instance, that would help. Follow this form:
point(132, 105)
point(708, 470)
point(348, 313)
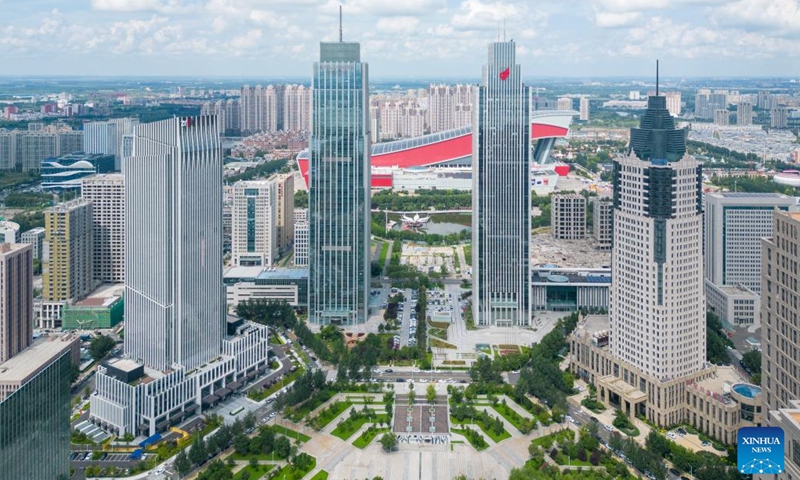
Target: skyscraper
point(16, 299)
point(501, 210)
point(339, 200)
point(174, 298)
point(657, 306)
point(175, 334)
point(780, 298)
point(254, 223)
point(285, 211)
point(107, 194)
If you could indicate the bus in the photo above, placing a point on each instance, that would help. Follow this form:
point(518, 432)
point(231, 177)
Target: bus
point(236, 411)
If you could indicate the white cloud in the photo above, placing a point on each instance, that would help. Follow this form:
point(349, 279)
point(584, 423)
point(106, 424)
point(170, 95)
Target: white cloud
point(169, 6)
point(477, 15)
point(385, 8)
point(246, 41)
point(781, 15)
point(398, 25)
point(616, 20)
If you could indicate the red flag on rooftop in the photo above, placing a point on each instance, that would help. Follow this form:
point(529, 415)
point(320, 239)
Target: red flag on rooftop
point(504, 74)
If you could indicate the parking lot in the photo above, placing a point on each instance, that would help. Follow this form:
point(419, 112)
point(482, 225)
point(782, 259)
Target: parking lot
point(407, 316)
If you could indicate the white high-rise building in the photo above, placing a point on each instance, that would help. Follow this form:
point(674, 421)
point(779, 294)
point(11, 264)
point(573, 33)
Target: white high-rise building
point(673, 103)
point(584, 113)
point(441, 106)
point(107, 194)
point(296, 108)
point(744, 113)
point(174, 298)
point(254, 223)
point(100, 137)
point(501, 204)
point(301, 237)
point(564, 103)
point(657, 306)
point(176, 334)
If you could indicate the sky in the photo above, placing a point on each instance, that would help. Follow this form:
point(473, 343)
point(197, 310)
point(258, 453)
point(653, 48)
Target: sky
point(413, 39)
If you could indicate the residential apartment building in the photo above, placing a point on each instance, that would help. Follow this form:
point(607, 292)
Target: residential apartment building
point(568, 216)
point(744, 113)
point(107, 194)
point(584, 109)
point(296, 108)
point(68, 260)
point(25, 149)
point(779, 117)
point(284, 212)
point(16, 299)
point(501, 204)
point(602, 215)
point(564, 103)
point(721, 117)
point(301, 237)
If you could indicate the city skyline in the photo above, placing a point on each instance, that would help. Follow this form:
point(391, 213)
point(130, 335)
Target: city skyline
point(421, 37)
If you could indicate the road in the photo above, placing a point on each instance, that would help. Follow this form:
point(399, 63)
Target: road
point(584, 418)
point(405, 318)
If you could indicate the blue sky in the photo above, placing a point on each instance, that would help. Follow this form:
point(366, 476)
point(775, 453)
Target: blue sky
point(400, 38)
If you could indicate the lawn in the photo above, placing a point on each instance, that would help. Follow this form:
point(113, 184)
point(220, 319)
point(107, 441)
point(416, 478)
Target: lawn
point(475, 440)
point(368, 436)
point(435, 342)
point(487, 431)
point(287, 432)
point(289, 472)
point(509, 414)
point(384, 251)
point(257, 472)
point(327, 415)
point(468, 254)
point(321, 475)
point(347, 428)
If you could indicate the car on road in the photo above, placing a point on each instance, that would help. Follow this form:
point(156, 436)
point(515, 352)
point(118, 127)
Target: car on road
point(680, 431)
point(400, 380)
point(671, 435)
point(675, 471)
point(594, 419)
point(609, 428)
point(705, 443)
point(570, 419)
point(577, 423)
point(415, 370)
point(388, 370)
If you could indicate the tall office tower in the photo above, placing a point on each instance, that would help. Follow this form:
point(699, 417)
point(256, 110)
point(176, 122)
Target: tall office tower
point(100, 137)
point(174, 298)
point(34, 237)
point(35, 409)
point(564, 103)
point(125, 128)
point(779, 117)
point(673, 103)
point(602, 210)
point(765, 100)
point(735, 223)
point(296, 108)
point(254, 223)
point(16, 299)
point(780, 309)
point(339, 217)
point(285, 211)
point(744, 113)
point(301, 239)
point(68, 259)
point(501, 205)
point(584, 113)
point(107, 194)
point(657, 306)
point(440, 108)
point(701, 108)
point(568, 216)
point(721, 117)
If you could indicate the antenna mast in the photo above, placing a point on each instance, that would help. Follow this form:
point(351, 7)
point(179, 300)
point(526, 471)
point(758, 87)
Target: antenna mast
point(656, 77)
point(340, 24)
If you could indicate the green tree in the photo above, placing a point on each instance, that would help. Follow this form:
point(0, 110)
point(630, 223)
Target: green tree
point(751, 361)
point(182, 463)
point(241, 443)
point(100, 346)
point(388, 442)
point(197, 452)
point(430, 394)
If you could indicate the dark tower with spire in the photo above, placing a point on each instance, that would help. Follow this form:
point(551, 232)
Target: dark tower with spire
point(656, 139)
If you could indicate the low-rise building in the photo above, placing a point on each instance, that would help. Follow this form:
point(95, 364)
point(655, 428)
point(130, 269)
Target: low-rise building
point(92, 313)
point(274, 284)
point(9, 232)
point(737, 305)
point(568, 216)
point(570, 289)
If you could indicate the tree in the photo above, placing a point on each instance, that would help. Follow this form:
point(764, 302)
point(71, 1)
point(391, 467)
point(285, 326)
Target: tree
point(197, 453)
point(430, 394)
point(388, 442)
point(241, 443)
point(100, 346)
point(254, 462)
point(182, 463)
point(282, 447)
point(615, 441)
point(411, 396)
point(657, 444)
point(751, 361)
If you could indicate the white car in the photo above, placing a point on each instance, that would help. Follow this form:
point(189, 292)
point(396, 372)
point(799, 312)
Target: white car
point(415, 370)
point(671, 435)
point(609, 428)
point(570, 419)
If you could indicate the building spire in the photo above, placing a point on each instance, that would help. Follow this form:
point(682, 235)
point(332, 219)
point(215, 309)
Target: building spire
point(656, 77)
point(340, 24)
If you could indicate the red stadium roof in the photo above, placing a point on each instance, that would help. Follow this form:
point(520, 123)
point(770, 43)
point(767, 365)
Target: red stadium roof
point(454, 146)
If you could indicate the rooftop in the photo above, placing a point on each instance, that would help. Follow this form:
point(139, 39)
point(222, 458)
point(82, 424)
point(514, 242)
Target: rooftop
point(12, 247)
point(124, 364)
point(26, 363)
point(748, 195)
point(97, 302)
point(595, 324)
point(261, 273)
point(722, 382)
point(567, 253)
